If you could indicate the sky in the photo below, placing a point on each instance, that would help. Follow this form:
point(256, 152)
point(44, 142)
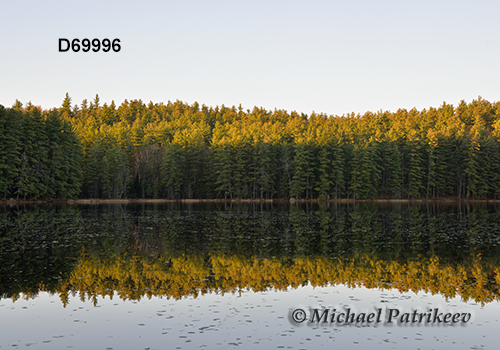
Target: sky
point(332, 57)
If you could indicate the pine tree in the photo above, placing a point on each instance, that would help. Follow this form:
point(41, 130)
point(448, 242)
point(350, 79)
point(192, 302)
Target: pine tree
point(325, 183)
point(65, 110)
point(223, 170)
point(264, 170)
point(338, 171)
point(173, 171)
point(10, 120)
point(415, 169)
point(302, 180)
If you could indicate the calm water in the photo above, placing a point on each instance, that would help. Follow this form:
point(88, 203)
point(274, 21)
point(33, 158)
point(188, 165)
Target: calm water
point(220, 276)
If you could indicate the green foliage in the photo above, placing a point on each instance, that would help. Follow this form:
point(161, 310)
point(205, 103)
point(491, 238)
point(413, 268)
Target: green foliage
point(176, 150)
point(173, 172)
point(40, 155)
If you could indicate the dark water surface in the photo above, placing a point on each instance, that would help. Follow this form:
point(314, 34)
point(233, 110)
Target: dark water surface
point(220, 276)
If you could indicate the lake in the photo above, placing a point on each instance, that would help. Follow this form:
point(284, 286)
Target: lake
point(250, 275)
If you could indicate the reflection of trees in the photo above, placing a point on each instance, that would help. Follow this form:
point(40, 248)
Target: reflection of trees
point(134, 276)
point(174, 251)
point(37, 249)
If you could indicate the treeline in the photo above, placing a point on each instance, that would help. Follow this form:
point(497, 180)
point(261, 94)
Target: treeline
point(176, 150)
point(40, 155)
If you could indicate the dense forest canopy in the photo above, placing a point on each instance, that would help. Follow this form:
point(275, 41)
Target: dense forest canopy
point(177, 150)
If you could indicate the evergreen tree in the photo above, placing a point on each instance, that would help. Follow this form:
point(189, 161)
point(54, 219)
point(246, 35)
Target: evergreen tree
point(9, 149)
point(325, 183)
point(301, 184)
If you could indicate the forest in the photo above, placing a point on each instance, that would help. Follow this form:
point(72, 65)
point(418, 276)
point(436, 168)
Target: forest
point(181, 151)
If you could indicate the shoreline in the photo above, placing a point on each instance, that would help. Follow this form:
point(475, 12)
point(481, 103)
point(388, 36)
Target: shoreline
point(90, 201)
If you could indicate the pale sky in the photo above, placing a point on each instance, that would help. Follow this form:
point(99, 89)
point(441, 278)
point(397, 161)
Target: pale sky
point(331, 57)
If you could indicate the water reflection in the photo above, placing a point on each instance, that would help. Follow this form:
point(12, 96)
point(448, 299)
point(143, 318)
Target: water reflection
point(178, 250)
